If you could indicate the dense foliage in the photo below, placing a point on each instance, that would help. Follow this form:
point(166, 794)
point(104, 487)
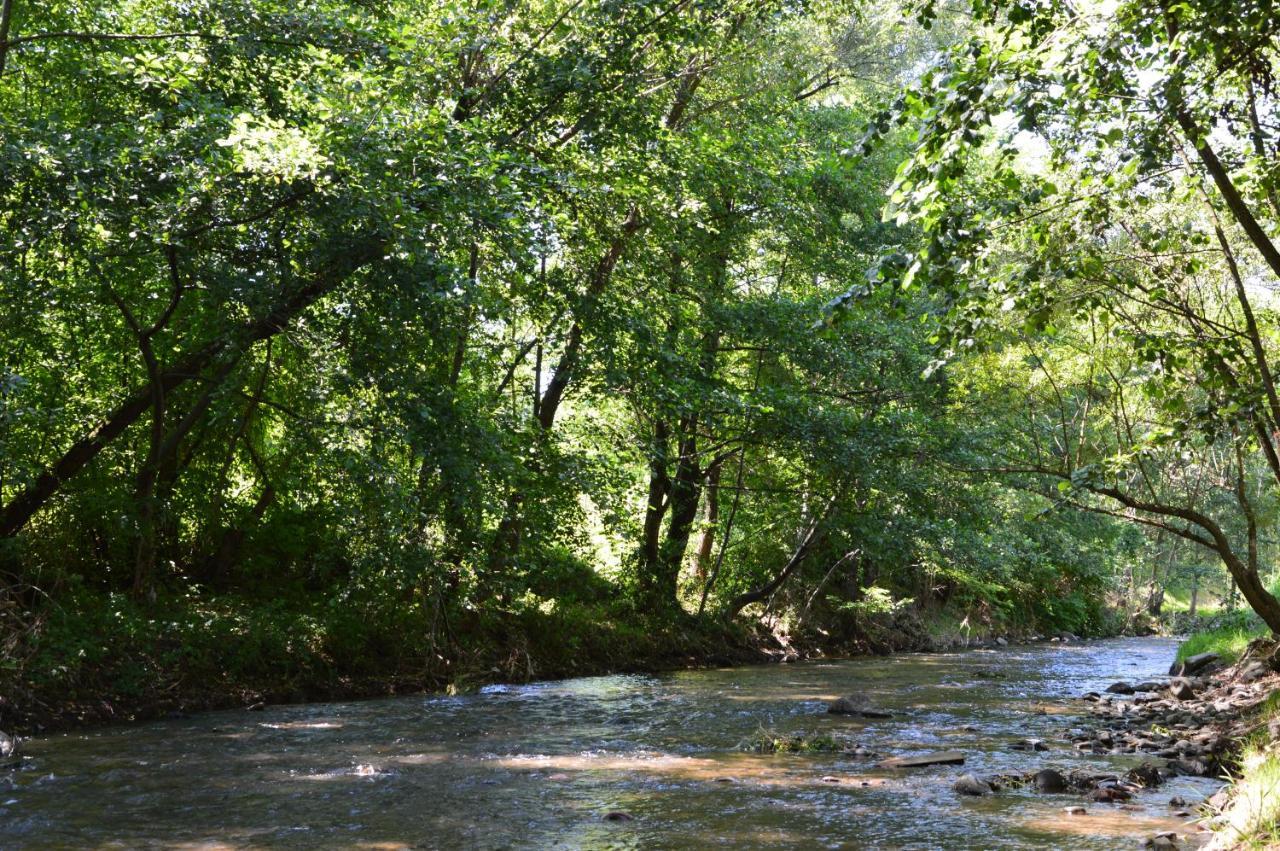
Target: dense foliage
point(1096, 189)
point(352, 341)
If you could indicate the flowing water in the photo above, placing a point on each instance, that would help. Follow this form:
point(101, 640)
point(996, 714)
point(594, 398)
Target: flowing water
point(539, 766)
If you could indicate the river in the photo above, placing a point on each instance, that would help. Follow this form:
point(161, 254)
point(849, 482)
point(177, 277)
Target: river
point(540, 765)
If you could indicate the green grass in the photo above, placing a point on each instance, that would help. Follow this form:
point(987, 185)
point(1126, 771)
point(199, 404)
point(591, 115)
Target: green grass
point(1180, 601)
point(1227, 641)
point(1252, 819)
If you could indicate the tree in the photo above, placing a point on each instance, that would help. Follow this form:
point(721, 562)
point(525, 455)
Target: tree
point(1146, 221)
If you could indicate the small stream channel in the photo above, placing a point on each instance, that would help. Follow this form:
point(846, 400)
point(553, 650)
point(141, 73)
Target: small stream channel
point(538, 766)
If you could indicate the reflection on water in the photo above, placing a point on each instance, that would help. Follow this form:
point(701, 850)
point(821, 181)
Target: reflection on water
point(538, 766)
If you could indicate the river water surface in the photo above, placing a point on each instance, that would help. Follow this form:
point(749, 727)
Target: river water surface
point(539, 766)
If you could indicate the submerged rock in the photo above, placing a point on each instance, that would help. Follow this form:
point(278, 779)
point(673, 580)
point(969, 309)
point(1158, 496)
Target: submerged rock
point(618, 815)
point(968, 784)
point(855, 705)
point(1109, 794)
point(925, 760)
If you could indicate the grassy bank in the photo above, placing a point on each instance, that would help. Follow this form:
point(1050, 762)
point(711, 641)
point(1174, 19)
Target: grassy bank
point(1251, 820)
point(1228, 635)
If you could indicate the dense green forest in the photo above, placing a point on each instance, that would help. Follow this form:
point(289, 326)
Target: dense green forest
point(353, 345)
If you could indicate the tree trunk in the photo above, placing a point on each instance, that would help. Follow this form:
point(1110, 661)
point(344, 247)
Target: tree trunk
point(656, 505)
point(686, 493)
point(15, 516)
point(809, 539)
point(707, 540)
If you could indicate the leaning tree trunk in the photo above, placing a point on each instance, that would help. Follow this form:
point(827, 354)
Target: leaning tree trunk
point(18, 512)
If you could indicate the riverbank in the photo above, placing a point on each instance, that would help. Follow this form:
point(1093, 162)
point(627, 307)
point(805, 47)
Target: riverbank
point(97, 660)
point(1217, 716)
point(1246, 814)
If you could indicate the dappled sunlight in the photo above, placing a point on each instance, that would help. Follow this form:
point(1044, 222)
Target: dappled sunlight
point(1112, 821)
point(302, 725)
point(724, 768)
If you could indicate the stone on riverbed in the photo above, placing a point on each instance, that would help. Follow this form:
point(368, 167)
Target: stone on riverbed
point(1146, 775)
point(855, 705)
point(1120, 688)
point(1109, 794)
point(1048, 780)
point(967, 784)
point(1181, 690)
point(1029, 745)
point(925, 760)
point(1077, 810)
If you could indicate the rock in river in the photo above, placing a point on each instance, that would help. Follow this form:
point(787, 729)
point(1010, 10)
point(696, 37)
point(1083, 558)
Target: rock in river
point(967, 784)
point(1029, 745)
point(1048, 780)
point(1121, 688)
point(1181, 689)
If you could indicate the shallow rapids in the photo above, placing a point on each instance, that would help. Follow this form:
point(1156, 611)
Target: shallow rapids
point(539, 766)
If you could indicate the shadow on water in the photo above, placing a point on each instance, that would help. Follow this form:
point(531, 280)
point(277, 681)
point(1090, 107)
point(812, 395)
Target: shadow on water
point(540, 765)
